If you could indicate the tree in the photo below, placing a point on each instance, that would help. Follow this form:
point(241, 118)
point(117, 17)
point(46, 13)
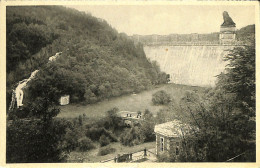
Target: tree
point(161, 98)
point(112, 120)
point(32, 141)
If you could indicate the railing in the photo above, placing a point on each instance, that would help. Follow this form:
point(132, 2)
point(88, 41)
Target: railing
point(129, 157)
point(195, 43)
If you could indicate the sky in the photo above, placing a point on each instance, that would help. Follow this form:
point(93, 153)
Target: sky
point(169, 19)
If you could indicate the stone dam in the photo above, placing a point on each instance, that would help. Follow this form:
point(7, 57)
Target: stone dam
point(196, 65)
point(192, 59)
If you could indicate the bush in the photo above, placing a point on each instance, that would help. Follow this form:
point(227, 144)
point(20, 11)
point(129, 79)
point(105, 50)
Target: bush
point(104, 141)
point(95, 132)
point(161, 98)
point(110, 135)
point(163, 157)
point(131, 137)
point(85, 144)
point(106, 150)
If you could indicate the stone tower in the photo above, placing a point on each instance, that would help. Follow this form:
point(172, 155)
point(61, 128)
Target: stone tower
point(227, 30)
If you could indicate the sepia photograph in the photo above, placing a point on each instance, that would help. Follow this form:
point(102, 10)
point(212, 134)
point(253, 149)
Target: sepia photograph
point(130, 83)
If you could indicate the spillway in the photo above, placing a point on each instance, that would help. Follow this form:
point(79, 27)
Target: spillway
point(188, 64)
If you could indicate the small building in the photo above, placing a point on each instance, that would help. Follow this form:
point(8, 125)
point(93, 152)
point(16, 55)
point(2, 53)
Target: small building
point(129, 117)
point(169, 135)
point(227, 30)
point(64, 100)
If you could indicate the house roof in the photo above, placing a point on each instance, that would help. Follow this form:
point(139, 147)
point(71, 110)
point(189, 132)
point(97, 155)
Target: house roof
point(173, 128)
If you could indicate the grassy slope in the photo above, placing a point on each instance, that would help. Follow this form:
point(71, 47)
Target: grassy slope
point(138, 102)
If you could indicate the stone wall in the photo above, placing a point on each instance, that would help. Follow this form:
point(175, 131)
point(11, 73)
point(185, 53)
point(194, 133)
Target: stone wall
point(190, 65)
point(169, 143)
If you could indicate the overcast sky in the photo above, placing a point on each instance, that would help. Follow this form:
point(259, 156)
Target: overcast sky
point(169, 19)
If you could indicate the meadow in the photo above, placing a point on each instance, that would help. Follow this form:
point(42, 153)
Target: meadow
point(133, 102)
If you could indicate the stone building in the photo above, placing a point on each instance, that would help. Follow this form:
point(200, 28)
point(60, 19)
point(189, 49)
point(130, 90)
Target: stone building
point(227, 30)
point(130, 118)
point(168, 136)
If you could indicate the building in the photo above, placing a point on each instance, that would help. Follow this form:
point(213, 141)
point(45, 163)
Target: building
point(130, 118)
point(64, 100)
point(169, 135)
point(227, 30)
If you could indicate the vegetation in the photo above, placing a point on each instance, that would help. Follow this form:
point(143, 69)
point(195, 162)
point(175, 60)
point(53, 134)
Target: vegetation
point(85, 144)
point(103, 140)
point(36, 141)
point(246, 33)
point(161, 98)
point(106, 150)
point(96, 62)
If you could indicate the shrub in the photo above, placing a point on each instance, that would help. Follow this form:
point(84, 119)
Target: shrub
point(161, 98)
point(94, 133)
point(106, 150)
point(131, 137)
point(164, 157)
point(85, 144)
point(110, 135)
point(104, 141)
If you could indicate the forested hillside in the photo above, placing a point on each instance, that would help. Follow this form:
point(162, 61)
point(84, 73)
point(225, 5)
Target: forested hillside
point(96, 61)
point(246, 33)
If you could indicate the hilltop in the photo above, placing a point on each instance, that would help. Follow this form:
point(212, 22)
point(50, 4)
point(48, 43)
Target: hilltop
point(96, 62)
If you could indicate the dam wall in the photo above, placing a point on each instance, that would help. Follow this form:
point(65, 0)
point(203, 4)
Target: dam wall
point(195, 65)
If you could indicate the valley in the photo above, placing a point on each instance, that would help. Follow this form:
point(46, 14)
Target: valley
point(81, 90)
point(130, 102)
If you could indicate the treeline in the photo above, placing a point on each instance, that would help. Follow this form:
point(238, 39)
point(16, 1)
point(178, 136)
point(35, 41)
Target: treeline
point(246, 33)
point(241, 35)
point(96, 61)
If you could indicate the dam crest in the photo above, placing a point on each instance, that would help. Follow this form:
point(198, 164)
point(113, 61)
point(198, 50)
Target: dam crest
point(192, 59)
